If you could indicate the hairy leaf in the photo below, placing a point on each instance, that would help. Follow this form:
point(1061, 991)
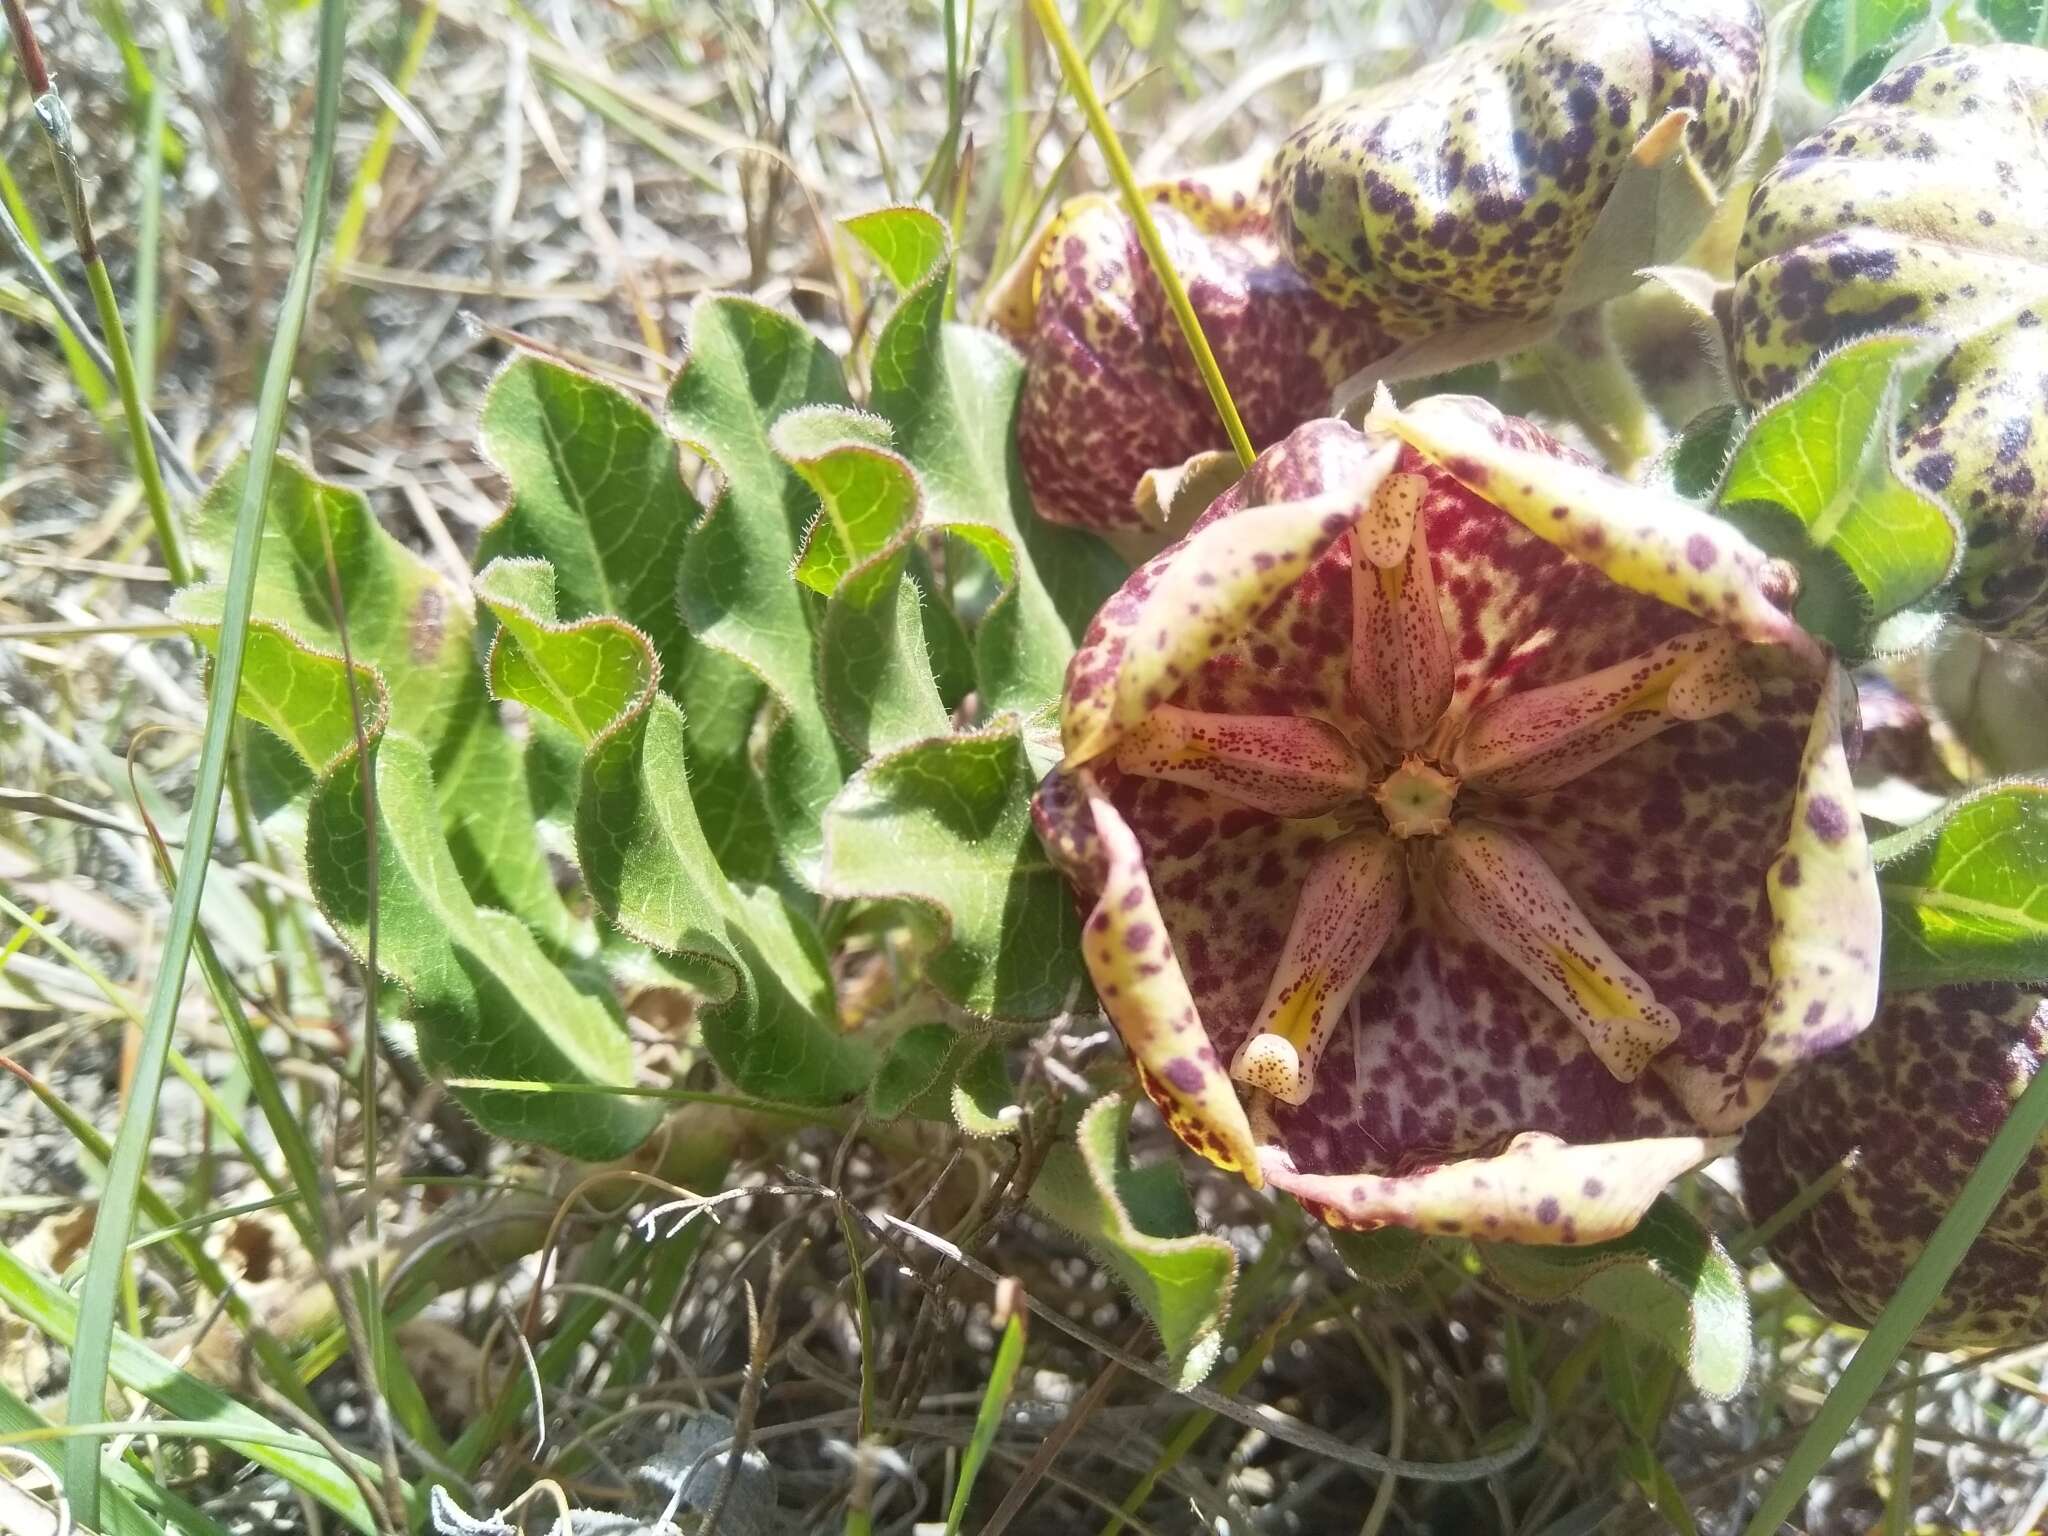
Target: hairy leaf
point(1669, 1282)
point(484, 999)
point(1822, 456)
point(946, 824)
point(1966, 891)
point(767, 1007)
point(950, 392)
point(748, 365)
point(874, 673)
point(417, 631)
point(1140, 1222)
point(597, 493)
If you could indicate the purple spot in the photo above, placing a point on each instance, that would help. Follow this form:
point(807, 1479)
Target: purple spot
point(1788, 872)
point(1700, 553)
point(1137, 937)
point(1184, 1075)
point(1829, 821)
point(1548, 1210)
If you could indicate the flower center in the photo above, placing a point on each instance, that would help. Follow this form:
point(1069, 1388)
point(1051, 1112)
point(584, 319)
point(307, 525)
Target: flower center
point(1416, 798)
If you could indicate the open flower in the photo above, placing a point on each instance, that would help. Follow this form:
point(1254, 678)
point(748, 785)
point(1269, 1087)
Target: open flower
point(1899, 1120)
point(1112, 390)
point(1469, 832)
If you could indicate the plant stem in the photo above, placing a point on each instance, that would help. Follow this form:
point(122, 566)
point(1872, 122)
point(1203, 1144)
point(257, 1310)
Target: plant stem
point(56, 125)
point(1075, 68)
point(1898, 1500)
point(93, 1342)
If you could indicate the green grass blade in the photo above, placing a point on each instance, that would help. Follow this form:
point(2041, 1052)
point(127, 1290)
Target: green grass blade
point(136, 1505)
point(1910, 1303)
point(95, 1332)
point(149, 224)
point(348, 230)
point(92, 383)
point(297, 1459)
point(1002, 1377)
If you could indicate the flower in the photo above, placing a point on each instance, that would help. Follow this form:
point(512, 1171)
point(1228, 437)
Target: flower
point(1905, 1113)
point(1925, 206)
point(1111, 389)
point(1467, 191)
point(1468, 832)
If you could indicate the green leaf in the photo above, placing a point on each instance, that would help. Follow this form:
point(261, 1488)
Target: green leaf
point(768, 1010)
point(297, 693)
point(874, 673)
point(2017, 21)
point(946, 824)
point(746, 366)
point(597, 493)
point(299, 1461)
point(908, 242)
point(1822, 456)
point(417, 631)
point(984, 1102)
point(950, 392)
point(1966, 891)
point(1690, 464)
point(484, 998)
point(916, 1075)
point(1141, 1223)
point(1386, 1256)
point(1668, 1282)
point(1846, 44)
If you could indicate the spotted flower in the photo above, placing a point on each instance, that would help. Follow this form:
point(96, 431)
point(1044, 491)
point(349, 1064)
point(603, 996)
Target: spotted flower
point(1467, 833)
point(1898, 1120)
point(1111, 389)
point(1925, 206)
point(1466, 192)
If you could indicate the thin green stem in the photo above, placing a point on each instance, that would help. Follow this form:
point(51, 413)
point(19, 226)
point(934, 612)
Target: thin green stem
point(94, 1339)
point(1075, 68)
point(1909, 1306)
point(1898, 1499)
point(149, 220)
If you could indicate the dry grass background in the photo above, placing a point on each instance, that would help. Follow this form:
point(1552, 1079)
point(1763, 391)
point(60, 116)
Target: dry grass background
point(570, 175)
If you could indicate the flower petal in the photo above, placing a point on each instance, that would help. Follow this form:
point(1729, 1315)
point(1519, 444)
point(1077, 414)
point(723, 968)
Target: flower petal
point(1190, 601)
point(1280, 764)
point(1500, 888)
point(1539, 1190)
point(1651, 543)
point(1400, 652)
point(1349, 904)
point(1825, 925)
point(1544, 737)
point(1131, 961)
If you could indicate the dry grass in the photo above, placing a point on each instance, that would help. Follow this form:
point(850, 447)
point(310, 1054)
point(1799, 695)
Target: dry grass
point(733, 139)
